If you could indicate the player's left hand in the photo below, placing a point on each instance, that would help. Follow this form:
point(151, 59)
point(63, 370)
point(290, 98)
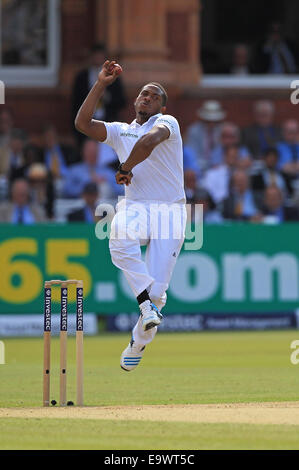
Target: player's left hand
point(123, 179)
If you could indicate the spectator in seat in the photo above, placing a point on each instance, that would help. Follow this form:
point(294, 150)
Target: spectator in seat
point(90, 195)
point(204, 134)
point(240, 61)
point(263, 133)
point(114, 98)
point(239, 205)
point(30, 154)
point(229, 135)
point(190, 180)
point(268, 175)
point(275, 210)
point(217, 180)
point(275, 54)
point(15, 153)
point(191, 173)
point(20, 210)
point(41, 187)
point(57, 156)
point(107, 157)
point(190, 160)
point(211, 215)
point(90, 171)
point(288, 149)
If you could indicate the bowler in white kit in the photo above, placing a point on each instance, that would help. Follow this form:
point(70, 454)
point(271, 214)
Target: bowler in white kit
point(153, 212)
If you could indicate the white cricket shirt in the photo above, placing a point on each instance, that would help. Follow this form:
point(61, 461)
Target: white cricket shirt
point(160, 177)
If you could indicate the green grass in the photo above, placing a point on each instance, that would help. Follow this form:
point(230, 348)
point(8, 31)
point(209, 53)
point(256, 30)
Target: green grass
point(97, 434)
point(177, 368)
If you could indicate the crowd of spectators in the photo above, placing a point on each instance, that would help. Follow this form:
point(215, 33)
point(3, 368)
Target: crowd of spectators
point(249, 174)
point(39, 180)
point(47, 178)
point(244, 174)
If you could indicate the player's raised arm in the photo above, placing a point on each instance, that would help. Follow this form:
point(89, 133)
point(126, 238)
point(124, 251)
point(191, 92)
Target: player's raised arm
point(84, 121)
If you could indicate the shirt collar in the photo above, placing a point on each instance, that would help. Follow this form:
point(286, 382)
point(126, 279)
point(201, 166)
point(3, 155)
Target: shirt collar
point(155, 116)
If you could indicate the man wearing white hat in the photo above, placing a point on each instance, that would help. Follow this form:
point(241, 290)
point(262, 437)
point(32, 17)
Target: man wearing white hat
point(203, 135)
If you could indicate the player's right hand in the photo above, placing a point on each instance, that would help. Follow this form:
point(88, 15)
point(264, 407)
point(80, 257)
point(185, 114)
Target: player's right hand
point(109, 72)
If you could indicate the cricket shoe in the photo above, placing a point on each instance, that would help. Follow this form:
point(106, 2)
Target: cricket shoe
point(151, 316)
point(131, 356)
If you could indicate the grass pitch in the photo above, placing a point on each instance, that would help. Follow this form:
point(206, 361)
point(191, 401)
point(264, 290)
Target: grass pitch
point(193, 368)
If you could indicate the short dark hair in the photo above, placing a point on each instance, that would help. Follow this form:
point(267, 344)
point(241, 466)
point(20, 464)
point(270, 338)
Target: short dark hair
point(90, 188)
point(270, 151)
point(162, 89)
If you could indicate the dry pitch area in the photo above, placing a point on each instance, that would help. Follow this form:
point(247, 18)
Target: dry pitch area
point(247, 413)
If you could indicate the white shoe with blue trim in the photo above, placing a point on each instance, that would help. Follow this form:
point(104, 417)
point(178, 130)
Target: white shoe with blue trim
point(131, 356)
point(151, 316)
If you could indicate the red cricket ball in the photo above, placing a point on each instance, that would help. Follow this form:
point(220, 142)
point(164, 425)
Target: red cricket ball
point(115, 68)
point(118, 69)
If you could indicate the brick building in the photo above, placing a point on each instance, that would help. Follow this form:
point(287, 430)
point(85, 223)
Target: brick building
point(157, 40)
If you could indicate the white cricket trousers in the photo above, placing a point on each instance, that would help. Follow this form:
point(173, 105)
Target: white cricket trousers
point(159, 226)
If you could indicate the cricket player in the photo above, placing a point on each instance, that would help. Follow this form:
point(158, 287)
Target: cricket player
point(151, 168)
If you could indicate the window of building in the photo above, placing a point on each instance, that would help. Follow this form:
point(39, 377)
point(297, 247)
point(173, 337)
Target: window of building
point(29, 42)
point(249, 44)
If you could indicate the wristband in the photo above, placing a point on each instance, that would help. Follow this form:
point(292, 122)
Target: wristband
point(123, 172)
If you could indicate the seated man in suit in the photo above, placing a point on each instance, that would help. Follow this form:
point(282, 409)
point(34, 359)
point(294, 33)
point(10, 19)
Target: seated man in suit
point(90, 195)
point(263, 133)
point(57, 156)
point(15, 158)
point(239, 205)
point(275, 53)
point(20, 210)
point(211, 215)
point(274, 208)
point(217, 180)
point(288, 148)
point(230, 135)
point(268, 175)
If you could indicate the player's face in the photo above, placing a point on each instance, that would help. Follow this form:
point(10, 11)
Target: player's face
point(149, 101)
